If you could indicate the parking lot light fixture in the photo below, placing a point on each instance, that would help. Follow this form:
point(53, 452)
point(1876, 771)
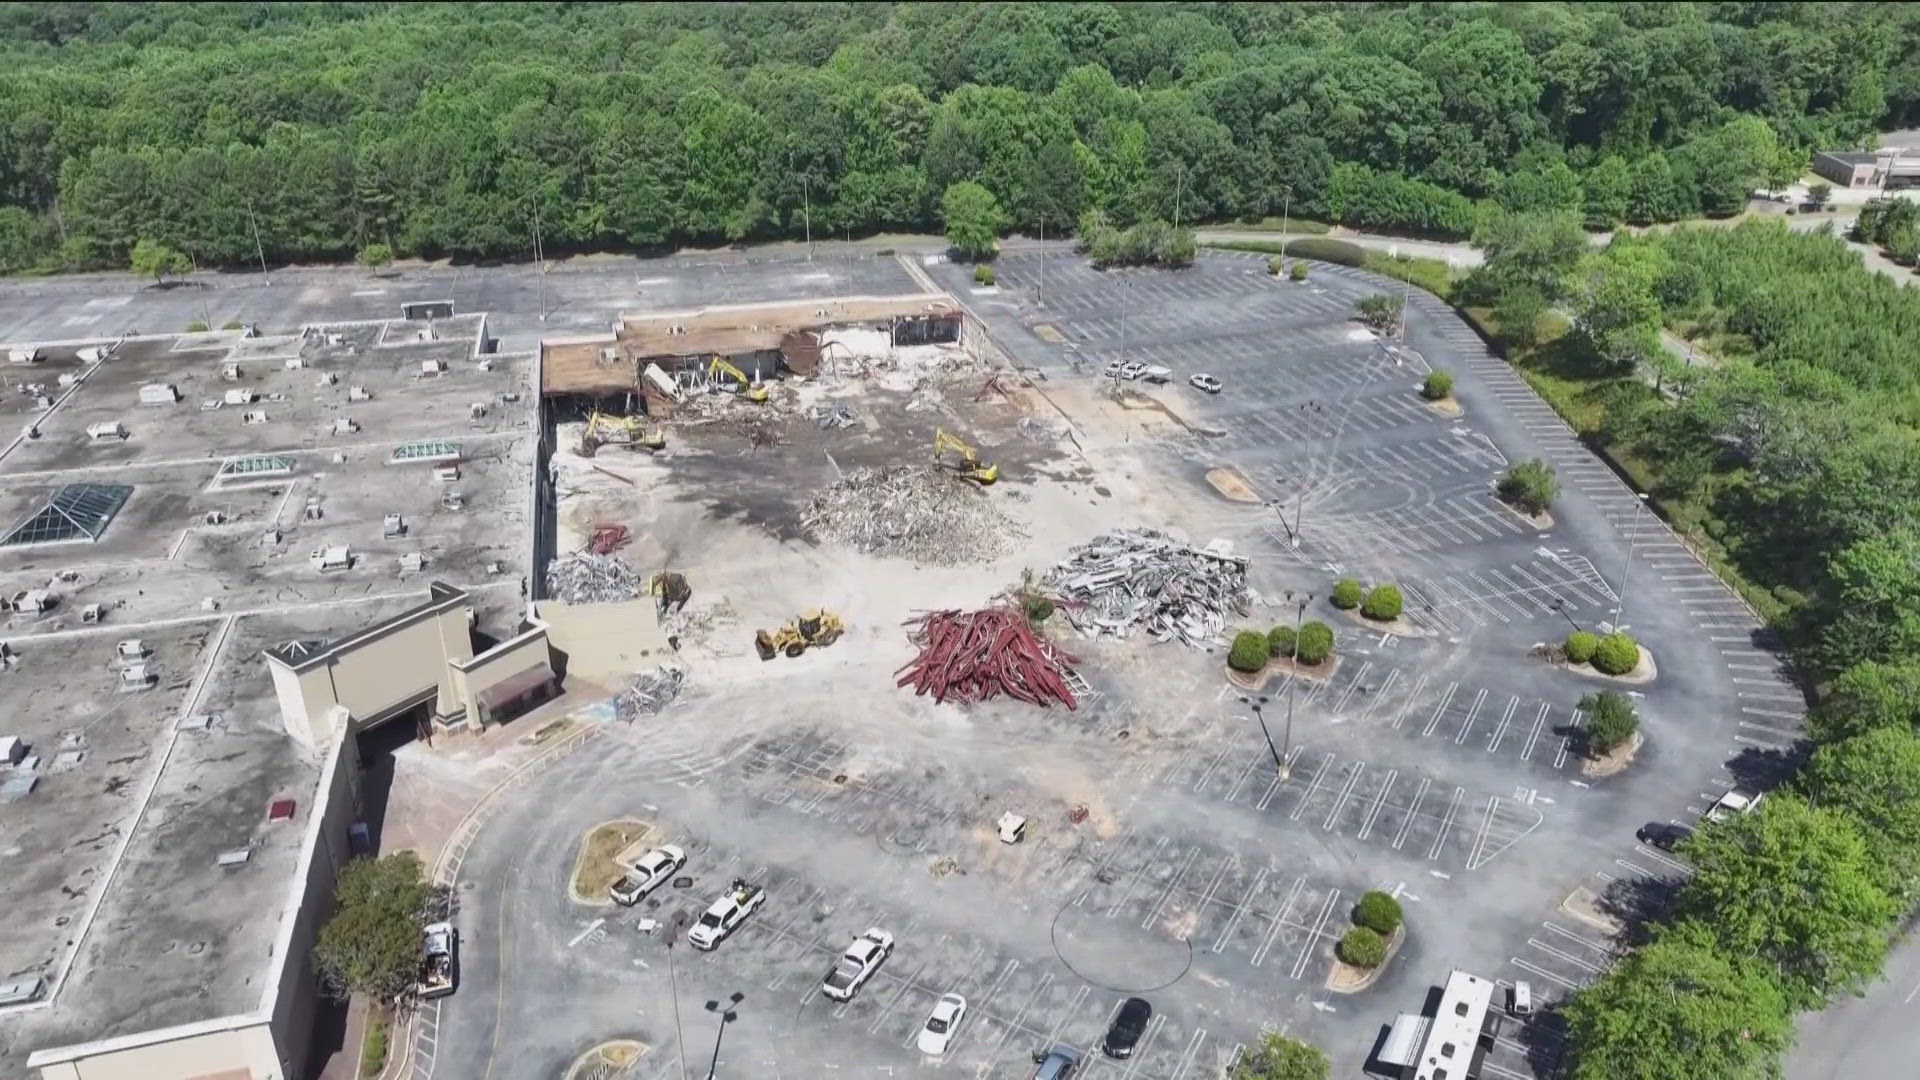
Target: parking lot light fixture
point(1254, 703)
point(727, 1016)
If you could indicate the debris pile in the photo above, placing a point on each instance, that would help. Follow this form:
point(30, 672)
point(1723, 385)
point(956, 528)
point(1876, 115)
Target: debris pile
point(607, 539)
point(837, 415)
point(648, 692)
point(975, 655)
point(918, 512)
point(1143, 577)
point(584, 578)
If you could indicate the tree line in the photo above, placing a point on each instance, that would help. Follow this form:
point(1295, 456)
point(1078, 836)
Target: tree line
point(1790, 455)
point(296, 132)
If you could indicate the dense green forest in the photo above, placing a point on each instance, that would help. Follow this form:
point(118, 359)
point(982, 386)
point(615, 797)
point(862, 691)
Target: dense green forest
point(1790, 458)
point(442, 129)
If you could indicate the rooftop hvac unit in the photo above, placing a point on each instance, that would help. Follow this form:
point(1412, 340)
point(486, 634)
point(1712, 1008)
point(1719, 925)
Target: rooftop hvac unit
point(486, 365)
point(344, 426)
point(331, 558)
point(31, 601)
point(412, 562)
point(25, 354)
point(452, 500)
point(230, 371)
point(68, 378)
point(293, 363)
point(12, 750)
point(432, 367)
point(240, 396)
point(131, 649)
point(330, 378)
point(210, 404)
point(477, 410)
point(447, 474)
point(271, 537)
point(93, 613)
point(358, 393)
point(92, 354)
point(425, 333)
point(41, 403)
point(157, 394)
point(216, 517)
point(254, 416)
point(111, 429)
point(312, 512)
point(394, 525)
point(22, 990)
point(136, 676)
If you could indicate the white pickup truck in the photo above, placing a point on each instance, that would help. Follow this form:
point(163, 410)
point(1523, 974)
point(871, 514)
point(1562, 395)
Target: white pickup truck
point(724, 915)
point(858, 964)
point(1734, 802)
point(437, 974)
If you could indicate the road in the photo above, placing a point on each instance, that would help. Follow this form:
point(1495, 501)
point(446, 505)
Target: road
point(1865, 1036)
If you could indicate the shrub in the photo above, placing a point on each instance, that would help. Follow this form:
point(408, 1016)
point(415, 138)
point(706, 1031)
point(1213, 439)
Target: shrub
point(1339, 252)
point(233, 324)
point(1380, 311)
point(1439, 386)
point(1280, 641)
point(1275, 264)
point(883, 253)
point(1299, 272)
point(1579, 646)
point(983, 274)
point(1362, 947)
point(1314, 643)
point(1377, 912)
point(1383, 603)
point(1039, 609)
point(1529, 485)
point(196, 327)
point(1249, 652)
point(1611, 721)
point(1616, 654)
point(1346, 594)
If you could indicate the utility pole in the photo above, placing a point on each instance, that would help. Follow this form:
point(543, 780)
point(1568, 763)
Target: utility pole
point(540, 261)
point(1626, 567)
point(1254, 703)
point(679, 920)
point(1286, 206)
point(806, 211)
point(1178, 183)
point(257, 248)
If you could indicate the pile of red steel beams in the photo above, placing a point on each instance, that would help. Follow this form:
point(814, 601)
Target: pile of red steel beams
point(975, 655)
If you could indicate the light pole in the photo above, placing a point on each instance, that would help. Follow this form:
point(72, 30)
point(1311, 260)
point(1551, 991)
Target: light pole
point(257, 248)
point(1254, 703)
point(1626, 566)
point(727, 1016)
point(1298, 614)
point(540, 261)
point(806, 210)
point(680, 919)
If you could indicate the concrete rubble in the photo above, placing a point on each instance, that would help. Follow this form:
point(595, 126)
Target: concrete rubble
point(648, 692)
point(1145, 578)
point(583, 578)
point(918, 512)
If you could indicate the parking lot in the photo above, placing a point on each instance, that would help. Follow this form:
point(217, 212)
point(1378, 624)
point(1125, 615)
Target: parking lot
point(1167, 855)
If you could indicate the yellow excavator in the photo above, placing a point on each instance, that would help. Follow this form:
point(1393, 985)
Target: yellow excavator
point(814, 629)
point(606, 429)
point(970, 465)
point(748, 389)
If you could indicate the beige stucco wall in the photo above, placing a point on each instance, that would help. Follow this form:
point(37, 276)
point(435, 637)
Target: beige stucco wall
point(244, 1053)
point(507, 659)
point(399, 664)
point(292, 1007)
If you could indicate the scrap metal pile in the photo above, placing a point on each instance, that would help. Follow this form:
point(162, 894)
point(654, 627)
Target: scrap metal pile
point(584, 578)
point(975, 655)
point(648, 692)
point(1143, 577)
point(919, 512)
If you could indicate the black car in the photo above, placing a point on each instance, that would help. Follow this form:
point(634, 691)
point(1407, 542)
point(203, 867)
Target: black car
point(1127, 1027)
point(1664, 836)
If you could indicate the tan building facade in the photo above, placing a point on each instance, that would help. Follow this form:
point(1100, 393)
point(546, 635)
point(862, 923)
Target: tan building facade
point(423, 656)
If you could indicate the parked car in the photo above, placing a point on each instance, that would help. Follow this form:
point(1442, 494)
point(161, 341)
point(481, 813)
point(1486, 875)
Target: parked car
point(1663, 835)
point(941, 1023)
point(858, 964)
point(1132, 369)
point(1127, 1027)
point(1734, 802)
point(1056, 1064)
point(725, 915)
point(1204, 381)
point(653, 868)
point(1113, 369)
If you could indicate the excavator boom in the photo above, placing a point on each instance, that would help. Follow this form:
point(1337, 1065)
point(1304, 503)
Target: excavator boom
point(971, 466)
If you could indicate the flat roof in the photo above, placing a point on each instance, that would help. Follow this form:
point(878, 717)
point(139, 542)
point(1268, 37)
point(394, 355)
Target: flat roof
point(117, 890)
point(1452, 1040)
point(1851, 157)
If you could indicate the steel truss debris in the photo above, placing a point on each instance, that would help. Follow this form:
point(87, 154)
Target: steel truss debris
point(919, 512)
point(1145, 578)
point(975, 655)
point(584, 578)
